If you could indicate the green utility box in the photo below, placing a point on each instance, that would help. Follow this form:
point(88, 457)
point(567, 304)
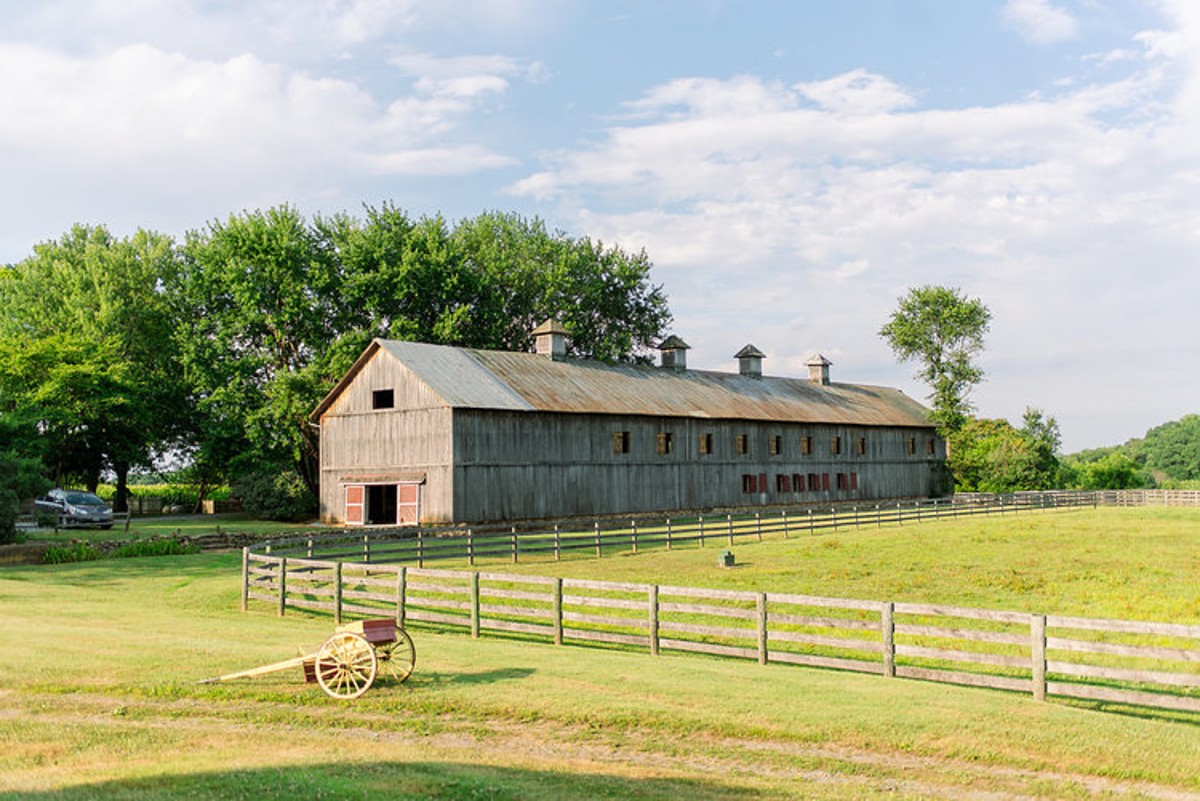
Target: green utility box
point(726, 559)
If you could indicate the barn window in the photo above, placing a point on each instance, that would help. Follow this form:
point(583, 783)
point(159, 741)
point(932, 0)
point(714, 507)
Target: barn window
point(912, 446)
point(776, 445)
point(620, 442)
point(783, 483)
point(666, 442)
point(814, 482)
point(825, 482)
point(706, 444)
point(741, 444)
point(931, 446)
point(854, 481)
point(842, 483)
point(797, 482)
point(835, 445)
point(806, 445)
point(749, 483)
point(860, 446)
point(383, 399)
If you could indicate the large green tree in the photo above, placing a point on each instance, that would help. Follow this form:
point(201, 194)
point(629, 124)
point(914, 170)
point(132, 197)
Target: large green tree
point(941, 330)
point(86, 351)
point(275, 308)
point(994, 456)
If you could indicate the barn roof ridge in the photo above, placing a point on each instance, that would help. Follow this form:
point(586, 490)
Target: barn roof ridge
point(475, 378)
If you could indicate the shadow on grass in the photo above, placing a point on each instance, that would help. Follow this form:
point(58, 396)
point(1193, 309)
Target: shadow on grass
point(482, 677)
point(408, 780)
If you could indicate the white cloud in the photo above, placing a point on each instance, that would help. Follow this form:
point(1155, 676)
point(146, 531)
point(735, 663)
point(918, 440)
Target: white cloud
point(1039, 21)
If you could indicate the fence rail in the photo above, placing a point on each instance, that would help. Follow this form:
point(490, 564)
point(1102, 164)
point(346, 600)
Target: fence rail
point(1131, 662)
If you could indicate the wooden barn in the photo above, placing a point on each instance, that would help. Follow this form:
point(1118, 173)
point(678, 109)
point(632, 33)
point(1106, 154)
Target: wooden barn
point(418, 433)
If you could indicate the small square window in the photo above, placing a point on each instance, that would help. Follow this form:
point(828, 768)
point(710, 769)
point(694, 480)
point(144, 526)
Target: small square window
point(749, 483)
point(931, 446)
point(814, 482)
point(620, 442)
point(776, 445)
point(741, 444)
point(842, 483)
point(706, 444)
point(860, 446)
point(797, 482)
point(383, 399)
point(912, 446)
point(783, 483)
point(806, 445)
point(666, 443)
point(835, 445)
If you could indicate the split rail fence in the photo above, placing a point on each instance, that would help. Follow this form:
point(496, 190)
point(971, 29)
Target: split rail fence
point(1119, 661)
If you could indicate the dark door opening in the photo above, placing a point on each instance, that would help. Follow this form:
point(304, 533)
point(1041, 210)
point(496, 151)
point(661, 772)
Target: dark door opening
point(381, 504)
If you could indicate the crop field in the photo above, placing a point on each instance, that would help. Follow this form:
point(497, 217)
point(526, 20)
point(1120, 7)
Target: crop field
point(99, 663)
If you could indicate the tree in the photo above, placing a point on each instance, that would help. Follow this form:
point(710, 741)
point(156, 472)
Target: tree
point(941, 329)
point(275, 309)
point(21, 474)
point(87, 351)
point(993, 456)
point(1173, 449)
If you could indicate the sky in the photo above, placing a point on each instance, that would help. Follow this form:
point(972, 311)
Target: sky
point(791, 167)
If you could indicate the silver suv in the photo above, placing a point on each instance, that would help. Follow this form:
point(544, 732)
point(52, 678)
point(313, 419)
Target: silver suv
point(76, 508)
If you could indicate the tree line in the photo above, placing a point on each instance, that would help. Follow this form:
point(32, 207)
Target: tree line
point(212, 350)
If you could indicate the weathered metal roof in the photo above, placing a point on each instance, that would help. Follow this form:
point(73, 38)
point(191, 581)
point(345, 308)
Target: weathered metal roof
point(483, 379)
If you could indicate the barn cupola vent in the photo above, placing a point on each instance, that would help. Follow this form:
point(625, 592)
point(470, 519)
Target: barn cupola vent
point(750, 361)
point(674, 353)
point(818, 370)
point(550, 339)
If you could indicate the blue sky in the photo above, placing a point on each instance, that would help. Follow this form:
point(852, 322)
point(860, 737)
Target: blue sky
point(791, 168)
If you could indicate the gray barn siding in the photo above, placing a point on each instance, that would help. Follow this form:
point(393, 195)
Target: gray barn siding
point(413, 438)
point(513, 465)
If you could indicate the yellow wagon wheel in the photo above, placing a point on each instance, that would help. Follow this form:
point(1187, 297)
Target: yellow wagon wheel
point(346, 666)
point(397, 658)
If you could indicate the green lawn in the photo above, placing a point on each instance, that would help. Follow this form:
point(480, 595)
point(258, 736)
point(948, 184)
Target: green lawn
point(98, 664)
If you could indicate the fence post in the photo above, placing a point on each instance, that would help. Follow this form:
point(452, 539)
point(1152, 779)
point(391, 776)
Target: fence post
point(899, 514)
point(887, 625)
point(652, 608)
point(633, 534)
point(475, 605)
point(309, 551)
point(785, 524)
point(811, 529)
point(513, 534)
point(337, 593)
point(833, 513)
point(1037, 628)
point(401, 595)
point(761, 608)
point(878, 517)
point(366, 548)
point(729, 521)
point(282, 585)
point(245, 578)
point(597, 525)
point(420, 548)
point(558, 611)
point(668, 533)
point(700, 518)
point(470, 547)
point(557, 544)
point(758, 525)
point(856, 517)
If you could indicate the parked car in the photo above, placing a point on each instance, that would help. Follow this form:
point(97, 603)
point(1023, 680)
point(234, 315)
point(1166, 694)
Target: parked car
point(76, 508)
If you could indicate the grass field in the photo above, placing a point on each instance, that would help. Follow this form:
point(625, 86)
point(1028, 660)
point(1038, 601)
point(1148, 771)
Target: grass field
point(98, 664)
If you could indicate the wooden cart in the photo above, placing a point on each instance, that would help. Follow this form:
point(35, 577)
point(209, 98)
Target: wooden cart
point(347, 664)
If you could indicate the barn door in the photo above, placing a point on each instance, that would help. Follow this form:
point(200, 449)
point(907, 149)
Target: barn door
point(355, 497)
point(409, 504)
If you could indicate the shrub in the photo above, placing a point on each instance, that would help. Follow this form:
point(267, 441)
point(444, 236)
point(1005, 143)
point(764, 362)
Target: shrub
point(162, 546)
point(71, 552)
point(274, 493)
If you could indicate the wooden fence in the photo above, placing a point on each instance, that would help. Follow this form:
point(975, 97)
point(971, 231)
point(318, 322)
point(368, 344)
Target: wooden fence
point(361, 573)
point(609, 537)
point(1148, 664)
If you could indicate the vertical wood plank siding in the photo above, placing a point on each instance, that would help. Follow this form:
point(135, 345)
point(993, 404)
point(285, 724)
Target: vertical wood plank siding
point(520, 465)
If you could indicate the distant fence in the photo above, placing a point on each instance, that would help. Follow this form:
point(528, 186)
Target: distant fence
point(610, 536)
point(1132, 662)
